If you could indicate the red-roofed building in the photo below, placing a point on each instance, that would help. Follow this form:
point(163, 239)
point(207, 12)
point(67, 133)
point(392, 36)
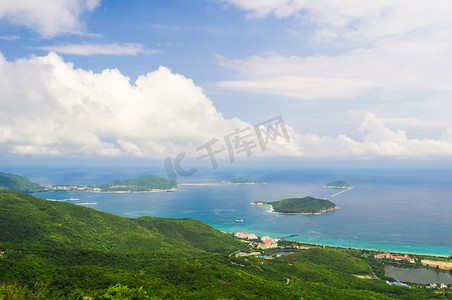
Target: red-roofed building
point(389, 256)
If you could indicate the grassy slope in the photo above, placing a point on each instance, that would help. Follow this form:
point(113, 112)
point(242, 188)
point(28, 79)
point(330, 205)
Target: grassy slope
point(301, 205)
point(27, 219)
point(169, 258)
point(17, 183)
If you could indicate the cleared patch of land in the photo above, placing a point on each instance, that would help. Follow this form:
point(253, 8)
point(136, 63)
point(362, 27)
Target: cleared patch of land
point(441, 264)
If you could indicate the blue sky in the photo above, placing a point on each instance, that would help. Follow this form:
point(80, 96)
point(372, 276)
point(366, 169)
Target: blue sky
point(131, 80)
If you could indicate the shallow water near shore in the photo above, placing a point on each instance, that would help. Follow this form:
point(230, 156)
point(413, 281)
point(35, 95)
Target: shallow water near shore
point(403, 211)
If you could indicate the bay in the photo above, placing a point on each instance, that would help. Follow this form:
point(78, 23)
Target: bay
point(393, 210)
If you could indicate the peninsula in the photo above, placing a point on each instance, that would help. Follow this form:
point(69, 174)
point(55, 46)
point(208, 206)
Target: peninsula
point(307, 205)
point(244, 180)
point(18, 183)
point(150, 183)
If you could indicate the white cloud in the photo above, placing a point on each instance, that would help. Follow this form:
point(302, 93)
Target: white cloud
point(398, 48)
point(349, 18)
point(391, 66)
point(48, 107)
point(9, 37)
point(48, 17)
point(302, 87)
point(415, 122)
point(391, 57)
point(97, 49)
point(377, 140)
point(262, 8)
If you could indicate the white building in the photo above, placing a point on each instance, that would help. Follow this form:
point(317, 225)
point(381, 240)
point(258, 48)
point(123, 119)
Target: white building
point(265, 238)
point(246, 235)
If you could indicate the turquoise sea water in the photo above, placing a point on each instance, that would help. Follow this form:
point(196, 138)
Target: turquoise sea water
point(405, 211)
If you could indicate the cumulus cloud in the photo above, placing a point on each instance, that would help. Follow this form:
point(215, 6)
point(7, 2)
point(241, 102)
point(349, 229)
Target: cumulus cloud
point(97, 49)
point(377, 140)
point(48, 17)
point(49, 107)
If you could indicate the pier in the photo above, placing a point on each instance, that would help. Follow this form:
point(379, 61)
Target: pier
point(341, 192)
point(285, 237)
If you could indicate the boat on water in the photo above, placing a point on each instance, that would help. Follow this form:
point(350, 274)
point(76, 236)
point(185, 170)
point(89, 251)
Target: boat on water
point(239, 221)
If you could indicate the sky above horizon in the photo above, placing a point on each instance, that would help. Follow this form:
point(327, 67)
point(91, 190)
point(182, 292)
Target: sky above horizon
point(119, 80)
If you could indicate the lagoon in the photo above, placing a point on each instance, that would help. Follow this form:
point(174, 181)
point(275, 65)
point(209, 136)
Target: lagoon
point(415, 275)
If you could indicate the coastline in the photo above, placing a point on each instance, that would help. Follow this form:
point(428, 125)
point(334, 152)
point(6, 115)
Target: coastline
point(107, 192)
point(332, 245)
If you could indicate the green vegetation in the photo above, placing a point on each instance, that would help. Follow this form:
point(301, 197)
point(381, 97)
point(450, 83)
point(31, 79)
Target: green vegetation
point(237, 180)
point(146, 183)
point(306, 205)
point(33, 221)
point(64, 251)
point(18, 183)
point(338, 185)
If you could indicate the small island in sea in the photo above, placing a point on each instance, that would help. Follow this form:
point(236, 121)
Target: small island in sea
point(307, 205)
point(143, 184)
point(243, 180)
point(338, 185)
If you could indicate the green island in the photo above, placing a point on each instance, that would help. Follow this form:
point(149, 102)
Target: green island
point(18, 183)
point(150, 183)
point(244, 180)
point(306, 205)
point(338, 185)
point(58, 250)
point(142, 184)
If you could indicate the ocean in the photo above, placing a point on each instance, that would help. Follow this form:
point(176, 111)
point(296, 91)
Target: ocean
point(407, 210)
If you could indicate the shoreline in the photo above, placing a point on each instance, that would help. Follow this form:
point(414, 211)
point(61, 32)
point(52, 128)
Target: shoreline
point(356, 248)
point(106, 192)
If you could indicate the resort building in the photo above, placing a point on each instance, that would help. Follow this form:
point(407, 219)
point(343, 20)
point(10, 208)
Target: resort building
point(240, 254)
point(246, 235)
point(398, 258)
